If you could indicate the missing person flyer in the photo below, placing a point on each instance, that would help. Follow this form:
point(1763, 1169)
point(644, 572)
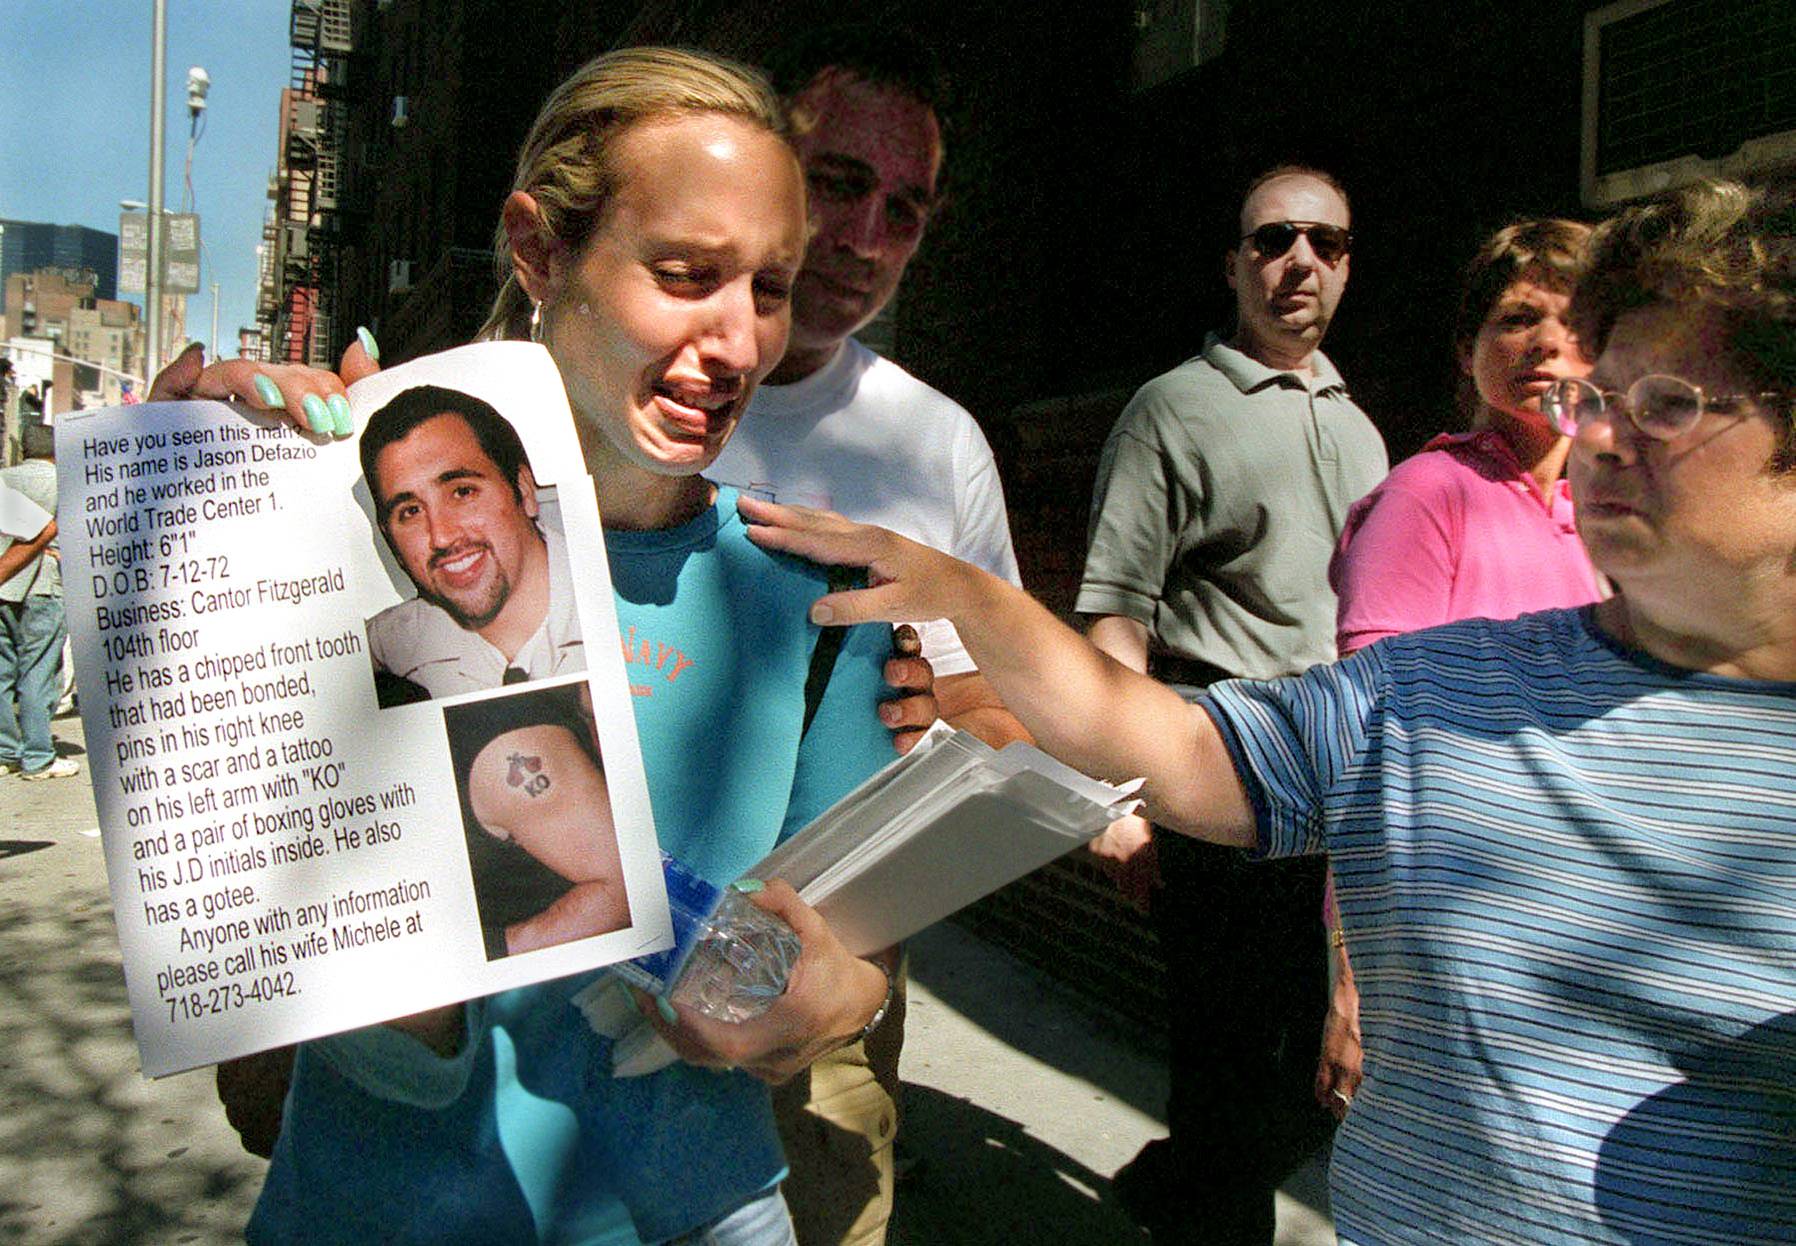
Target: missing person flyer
point(359, 729)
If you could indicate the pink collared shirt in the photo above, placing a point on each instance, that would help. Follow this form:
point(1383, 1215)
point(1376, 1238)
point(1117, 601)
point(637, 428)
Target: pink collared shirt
point(1460, 531)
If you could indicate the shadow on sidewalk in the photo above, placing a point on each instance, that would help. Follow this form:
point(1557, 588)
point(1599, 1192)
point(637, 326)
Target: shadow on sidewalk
point(1039, 1017)
point(86, 1145)
point(983, 1180)
point(1070, 1090)
point(19, 847)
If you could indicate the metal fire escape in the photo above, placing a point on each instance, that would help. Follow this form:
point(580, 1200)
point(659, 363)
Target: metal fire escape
point(307, 232)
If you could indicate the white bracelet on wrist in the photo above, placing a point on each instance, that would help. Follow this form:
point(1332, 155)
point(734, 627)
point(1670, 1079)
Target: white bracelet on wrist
point(885, 1005)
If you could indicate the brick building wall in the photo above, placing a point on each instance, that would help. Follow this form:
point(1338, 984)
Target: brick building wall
point(1078, 252)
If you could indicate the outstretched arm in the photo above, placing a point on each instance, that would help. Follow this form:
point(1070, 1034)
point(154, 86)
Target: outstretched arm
point(1082, 706)
point(1126, 848)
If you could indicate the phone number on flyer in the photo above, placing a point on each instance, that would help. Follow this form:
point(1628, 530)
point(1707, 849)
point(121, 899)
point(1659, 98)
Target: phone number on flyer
point(218, 1000)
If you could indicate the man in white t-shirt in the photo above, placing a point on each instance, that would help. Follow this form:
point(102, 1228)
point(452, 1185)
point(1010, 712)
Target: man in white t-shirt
point(835, 425)
point(31, 625)
point(27, 527)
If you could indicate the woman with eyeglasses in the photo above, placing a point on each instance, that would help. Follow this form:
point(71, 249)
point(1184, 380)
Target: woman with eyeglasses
point(1477, 525)
point(650, 242)
point(1566, 842)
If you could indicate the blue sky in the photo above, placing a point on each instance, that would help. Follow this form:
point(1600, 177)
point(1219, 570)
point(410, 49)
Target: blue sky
point(75, 128)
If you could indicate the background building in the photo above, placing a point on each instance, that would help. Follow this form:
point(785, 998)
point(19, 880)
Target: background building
point(443, 94)
point(299, 269)
point(1096, 154)
point(55, 312)
point(26, 246)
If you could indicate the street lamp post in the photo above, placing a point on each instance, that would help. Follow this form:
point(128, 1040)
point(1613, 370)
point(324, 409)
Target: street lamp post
point(199, 82)
point(152, 297)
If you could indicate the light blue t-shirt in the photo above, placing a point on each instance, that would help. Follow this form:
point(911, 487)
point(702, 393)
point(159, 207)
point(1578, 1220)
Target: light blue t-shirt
point(529, 1139)
point(1567, 874)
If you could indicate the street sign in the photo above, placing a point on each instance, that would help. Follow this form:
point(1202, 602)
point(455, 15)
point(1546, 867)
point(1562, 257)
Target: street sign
point(180, 252)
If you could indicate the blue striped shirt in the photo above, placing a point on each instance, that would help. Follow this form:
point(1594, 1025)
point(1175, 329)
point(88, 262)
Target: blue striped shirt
point(1567, 874)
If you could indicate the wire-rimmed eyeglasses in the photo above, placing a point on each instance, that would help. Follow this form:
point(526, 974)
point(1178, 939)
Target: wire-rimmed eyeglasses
point(1660, 405)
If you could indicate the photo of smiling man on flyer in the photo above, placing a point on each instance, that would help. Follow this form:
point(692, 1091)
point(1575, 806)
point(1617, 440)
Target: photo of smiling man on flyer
point(457, 502)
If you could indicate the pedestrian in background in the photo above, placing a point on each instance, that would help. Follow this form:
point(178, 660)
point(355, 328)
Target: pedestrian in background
point(1479, 524)
point(32, 630)
point(836, 424)
point(1219, 495)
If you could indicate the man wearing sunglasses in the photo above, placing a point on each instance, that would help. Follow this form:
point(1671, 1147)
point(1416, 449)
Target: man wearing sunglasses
point(1218, 499)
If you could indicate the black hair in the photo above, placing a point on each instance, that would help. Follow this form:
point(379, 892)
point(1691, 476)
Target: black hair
point(879, 52)
point(393, 422)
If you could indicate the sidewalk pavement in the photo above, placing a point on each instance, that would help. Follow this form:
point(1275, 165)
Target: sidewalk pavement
point(1021, 1098)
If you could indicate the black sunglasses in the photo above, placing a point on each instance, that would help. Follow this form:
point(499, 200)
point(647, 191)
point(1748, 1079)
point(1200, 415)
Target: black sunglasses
point(1329, 242)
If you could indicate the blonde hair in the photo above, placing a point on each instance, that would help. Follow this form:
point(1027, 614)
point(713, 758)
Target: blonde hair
point(566, 164)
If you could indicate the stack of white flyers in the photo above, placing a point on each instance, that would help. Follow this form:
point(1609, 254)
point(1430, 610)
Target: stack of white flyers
point(943, 826)
point(949, 823)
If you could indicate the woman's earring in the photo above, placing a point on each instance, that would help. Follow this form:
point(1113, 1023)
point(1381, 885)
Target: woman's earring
point(536, 320)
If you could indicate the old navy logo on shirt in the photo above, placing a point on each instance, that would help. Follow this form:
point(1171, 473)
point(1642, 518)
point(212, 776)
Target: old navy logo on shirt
point(651, 661)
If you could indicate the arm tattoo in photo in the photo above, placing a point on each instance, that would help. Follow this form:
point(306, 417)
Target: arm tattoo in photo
point(526, 772)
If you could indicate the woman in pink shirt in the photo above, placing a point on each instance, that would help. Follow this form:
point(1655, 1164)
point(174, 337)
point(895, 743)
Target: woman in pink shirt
point(1479, 524)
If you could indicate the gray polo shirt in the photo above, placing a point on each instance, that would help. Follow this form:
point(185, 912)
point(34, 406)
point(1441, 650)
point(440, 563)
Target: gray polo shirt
point(1219, 496)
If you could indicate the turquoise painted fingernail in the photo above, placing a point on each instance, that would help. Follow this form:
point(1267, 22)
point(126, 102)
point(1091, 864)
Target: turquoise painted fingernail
point(666, 1010)
point(269, 392)
point(368, 343)
point(748, 886)
point(339, 409)
point(316, 415)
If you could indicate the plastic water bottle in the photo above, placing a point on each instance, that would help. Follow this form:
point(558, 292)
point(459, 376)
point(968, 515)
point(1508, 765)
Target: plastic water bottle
point(730, 958)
